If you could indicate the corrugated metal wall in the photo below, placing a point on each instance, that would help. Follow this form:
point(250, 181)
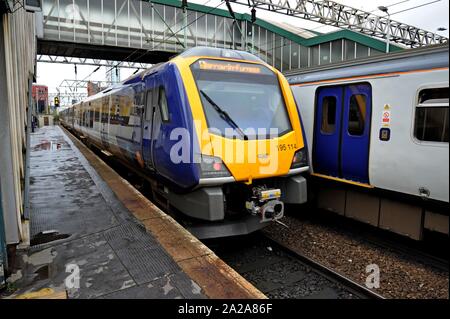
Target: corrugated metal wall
point(17, 65)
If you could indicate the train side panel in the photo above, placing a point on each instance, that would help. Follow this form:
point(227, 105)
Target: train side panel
point(173, 141)
point(402, 163)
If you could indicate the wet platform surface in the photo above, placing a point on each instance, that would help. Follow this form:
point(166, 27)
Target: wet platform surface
point(77, 222)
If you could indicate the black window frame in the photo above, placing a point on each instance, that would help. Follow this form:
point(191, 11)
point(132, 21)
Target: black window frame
point(419, 105)
point(162, 94)
point(149, 105)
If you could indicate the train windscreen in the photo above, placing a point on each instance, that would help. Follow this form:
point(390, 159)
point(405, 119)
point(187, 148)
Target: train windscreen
point(241, 97)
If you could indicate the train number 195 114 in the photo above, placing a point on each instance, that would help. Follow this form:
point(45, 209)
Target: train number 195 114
point(286, 147)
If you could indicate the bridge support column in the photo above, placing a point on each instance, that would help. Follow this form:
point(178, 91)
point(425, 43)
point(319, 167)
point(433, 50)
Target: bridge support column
point(9, 200)
point(17, 66)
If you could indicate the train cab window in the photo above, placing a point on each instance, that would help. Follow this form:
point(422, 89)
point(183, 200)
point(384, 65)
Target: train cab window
point(249, 94)
point(431, 119)
point(163, 107)
point(328, 115)
point(357, 114)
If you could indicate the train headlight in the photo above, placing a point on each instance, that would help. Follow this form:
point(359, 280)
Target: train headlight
point(212, 167)
point(300, 158)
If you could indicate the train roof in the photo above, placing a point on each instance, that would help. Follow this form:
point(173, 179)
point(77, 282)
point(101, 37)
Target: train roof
point(408, 60)
point(220, 53)
point(193, 52)
point(200, 52)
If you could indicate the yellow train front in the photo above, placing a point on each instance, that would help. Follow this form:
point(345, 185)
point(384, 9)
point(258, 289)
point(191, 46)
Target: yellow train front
point(216, 131)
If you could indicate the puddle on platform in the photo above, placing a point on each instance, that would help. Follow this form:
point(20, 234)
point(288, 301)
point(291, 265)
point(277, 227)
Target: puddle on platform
point(42, 272)
point(47, 237)
point(48, 146)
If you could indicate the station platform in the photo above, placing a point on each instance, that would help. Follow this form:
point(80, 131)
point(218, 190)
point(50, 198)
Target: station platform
point(88, 223)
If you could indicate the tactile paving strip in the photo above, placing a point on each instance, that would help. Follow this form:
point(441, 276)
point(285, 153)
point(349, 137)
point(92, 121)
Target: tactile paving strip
point(140, 253)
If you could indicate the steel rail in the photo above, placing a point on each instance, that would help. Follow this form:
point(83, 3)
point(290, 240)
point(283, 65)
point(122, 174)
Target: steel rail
point(327, 272)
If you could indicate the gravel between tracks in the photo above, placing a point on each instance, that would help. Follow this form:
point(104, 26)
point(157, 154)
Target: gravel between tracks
point(275, 272)
point(348, 254)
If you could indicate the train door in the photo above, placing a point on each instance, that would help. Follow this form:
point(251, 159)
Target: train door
point(342, 132)
point(82, 118)
point(104, 126)
point(72, 117)
point(147, 124)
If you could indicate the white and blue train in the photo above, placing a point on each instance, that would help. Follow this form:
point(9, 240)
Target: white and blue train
point(378, 138)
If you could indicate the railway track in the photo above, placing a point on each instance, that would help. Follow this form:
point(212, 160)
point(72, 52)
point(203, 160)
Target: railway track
point(431, 251)
point(417, 254)
point(274, 269)
point(282, 273)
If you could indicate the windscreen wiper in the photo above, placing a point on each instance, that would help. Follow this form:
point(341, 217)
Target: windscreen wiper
point(224, 115)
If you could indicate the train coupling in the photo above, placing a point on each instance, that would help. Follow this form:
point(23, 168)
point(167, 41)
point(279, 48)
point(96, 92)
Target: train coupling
point(266, 203)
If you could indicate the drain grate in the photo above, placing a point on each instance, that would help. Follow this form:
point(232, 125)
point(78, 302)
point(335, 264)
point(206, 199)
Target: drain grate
point(47, 237)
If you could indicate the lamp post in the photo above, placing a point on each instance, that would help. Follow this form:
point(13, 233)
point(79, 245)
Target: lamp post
point(388, 35)
point(441, 29)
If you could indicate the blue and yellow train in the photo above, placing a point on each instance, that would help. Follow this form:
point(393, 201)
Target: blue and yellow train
point(215, 131)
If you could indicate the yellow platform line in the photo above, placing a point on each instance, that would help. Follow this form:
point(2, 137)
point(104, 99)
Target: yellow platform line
point(337, 179)
point(45, 293)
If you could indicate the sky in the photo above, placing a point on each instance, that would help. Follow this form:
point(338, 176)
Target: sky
point(433, 15)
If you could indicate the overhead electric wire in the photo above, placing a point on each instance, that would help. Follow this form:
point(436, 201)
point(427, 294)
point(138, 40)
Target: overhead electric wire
point(322, 26)
point(418, 6)
point(173, 34)
point(375, 10)
point(169, 28)
point(162, 40)
point(394, 4)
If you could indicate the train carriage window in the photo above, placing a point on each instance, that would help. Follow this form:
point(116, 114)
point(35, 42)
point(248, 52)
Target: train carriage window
point(357, 114)
point(431, 119)
point(163, 105)
point(328, 115)
point(148, 107)
point(98, 112)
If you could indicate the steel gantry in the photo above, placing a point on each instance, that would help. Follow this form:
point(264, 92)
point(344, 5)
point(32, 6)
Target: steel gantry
point(67, 98)
point(338, 15)
point(92, 62)
point(73, 84)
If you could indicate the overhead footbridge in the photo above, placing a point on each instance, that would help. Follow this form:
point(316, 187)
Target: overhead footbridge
point(153, 31)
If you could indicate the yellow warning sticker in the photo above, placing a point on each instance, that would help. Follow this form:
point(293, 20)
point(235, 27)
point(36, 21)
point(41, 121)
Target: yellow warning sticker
point(386, 117)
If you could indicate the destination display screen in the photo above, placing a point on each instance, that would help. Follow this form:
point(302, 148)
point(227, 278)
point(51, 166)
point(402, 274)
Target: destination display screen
point(229, 66)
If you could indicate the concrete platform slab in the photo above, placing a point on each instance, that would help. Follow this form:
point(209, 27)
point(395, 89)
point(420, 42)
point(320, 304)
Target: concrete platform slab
point(108, 235)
